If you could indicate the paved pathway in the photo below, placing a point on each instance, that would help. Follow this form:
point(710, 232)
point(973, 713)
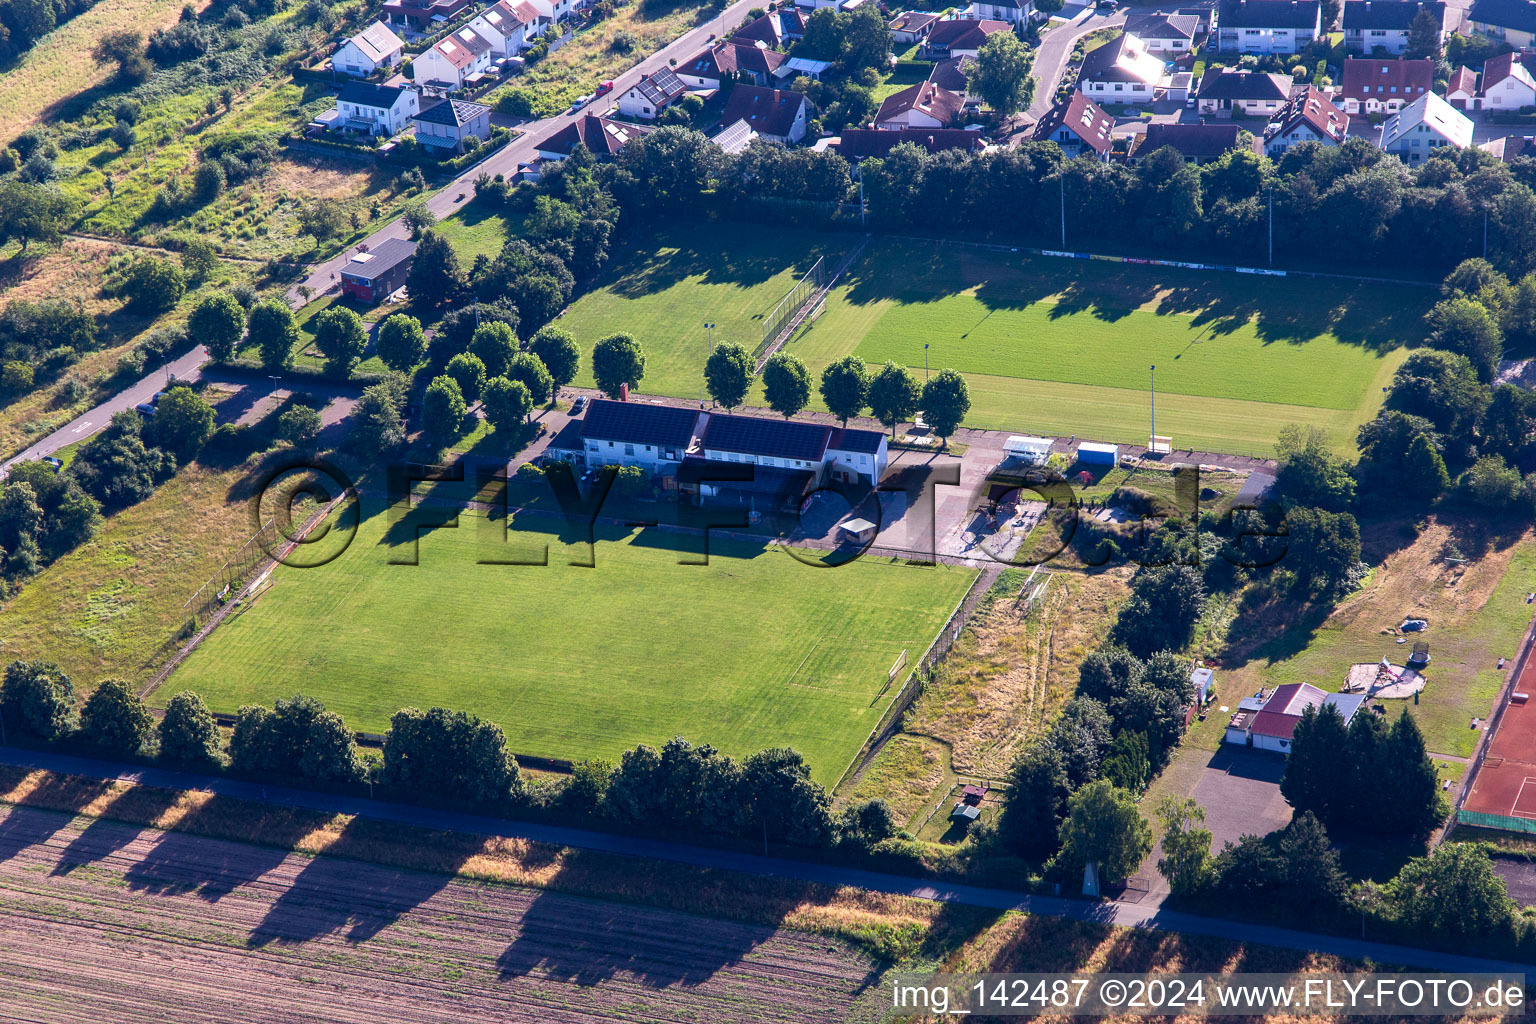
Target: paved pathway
point(186, 368)
point(1056, 47)
point(949, 892)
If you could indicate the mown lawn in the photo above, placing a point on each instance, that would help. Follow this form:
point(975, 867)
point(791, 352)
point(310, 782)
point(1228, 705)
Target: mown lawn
point(1060, 347)
point(753, 650)
point(665, 293)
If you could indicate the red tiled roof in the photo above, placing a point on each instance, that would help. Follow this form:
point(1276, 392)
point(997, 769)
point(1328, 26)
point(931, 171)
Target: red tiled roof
point(924, 97)
point(1083, 118)
point(1365, 77)
point(768, 111)
point(1314, 110)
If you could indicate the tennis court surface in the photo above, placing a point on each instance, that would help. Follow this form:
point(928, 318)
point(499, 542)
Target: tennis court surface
point(1506, 781)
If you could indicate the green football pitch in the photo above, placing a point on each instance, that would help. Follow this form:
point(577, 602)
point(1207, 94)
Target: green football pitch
point(755, 649)
point(1048, 345)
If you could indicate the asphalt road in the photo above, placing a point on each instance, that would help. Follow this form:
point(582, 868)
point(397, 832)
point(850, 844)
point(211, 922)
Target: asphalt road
point(1125, 914)
point(507, 159)
point(187, 368)
point(1056, 47)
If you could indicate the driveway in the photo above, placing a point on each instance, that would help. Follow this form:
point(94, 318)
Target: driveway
point(1056, 48)
point(1240, 791)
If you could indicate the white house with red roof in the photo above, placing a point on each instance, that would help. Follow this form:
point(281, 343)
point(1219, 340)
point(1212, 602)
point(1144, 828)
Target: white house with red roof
point(1308, 117)
point(1269, 722)
point(1079, 126)
point(1507, 84)
point(510, 27)
point(455, 58)
point(1373, 86)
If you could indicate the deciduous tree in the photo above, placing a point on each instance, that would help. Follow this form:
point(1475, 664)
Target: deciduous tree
point(786, 384)
point(115, 719)
point(617, 360)
point(728, 374)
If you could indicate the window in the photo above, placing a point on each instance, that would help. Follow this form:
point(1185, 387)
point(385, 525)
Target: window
point(629, 449)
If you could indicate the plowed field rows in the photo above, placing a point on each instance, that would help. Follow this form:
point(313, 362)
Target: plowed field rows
point(105, 922)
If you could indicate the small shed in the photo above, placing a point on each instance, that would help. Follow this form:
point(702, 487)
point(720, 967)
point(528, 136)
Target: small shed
point(1033, 450)
point(861, 531)
point(1201, 679)
point(972, 794)
point(964, 813)
point(1091, 453)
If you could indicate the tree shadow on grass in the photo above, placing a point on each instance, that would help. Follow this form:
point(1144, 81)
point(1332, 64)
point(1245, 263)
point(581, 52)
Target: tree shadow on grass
point(185, 863)
point(103, 837)
point(588, 942)
point(334, 894)
point(668, 259)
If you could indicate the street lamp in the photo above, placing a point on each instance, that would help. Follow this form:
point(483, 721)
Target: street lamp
point(1154, 400)
point(925, 362)
point(709, 347)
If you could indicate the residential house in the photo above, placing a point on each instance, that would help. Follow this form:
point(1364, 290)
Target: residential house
point(1506, 84)
point(1384, 86)
point(1461, 90)
point(376, 109)
point(1308, 117)
point(1268, 26)
point(855, 144)
point(602, 136)
point(509, 26)
point(776, 28)
point(419, 16)
point(1232, 93)
point(777, 115)
point(1078, 126)
point(1509, 21)
point(1196, 143)
point(1370, 25)
point(1510, 147)
point(1423, 126)
point(911, 27)
point(1269, 722)
point(452, 61)
point(555, 11)
point(1120, 71)
point(449, 123)
point(1018, 13)
point(923, 105)
point(734, 138)
point(731, 61)
point(960, 37)
point(1167, 34)
point(655, 437)
point(376, 274)
point(654, 93)
point(950, 74)
point(373, 48)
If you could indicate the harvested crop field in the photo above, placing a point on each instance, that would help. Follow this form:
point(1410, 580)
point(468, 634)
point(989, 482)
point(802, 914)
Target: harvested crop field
point(105, 921)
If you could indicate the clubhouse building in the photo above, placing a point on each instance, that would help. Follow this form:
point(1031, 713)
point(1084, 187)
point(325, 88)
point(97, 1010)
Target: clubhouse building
point(777, 461)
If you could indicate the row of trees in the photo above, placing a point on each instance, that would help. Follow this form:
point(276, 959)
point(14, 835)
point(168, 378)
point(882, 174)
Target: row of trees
point(452, 754)
point(1351, 200)
point(39, 698)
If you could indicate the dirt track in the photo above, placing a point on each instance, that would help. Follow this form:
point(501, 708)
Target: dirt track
point(102, 922)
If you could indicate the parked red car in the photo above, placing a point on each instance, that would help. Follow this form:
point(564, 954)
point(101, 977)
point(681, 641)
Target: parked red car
point(604, 88)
